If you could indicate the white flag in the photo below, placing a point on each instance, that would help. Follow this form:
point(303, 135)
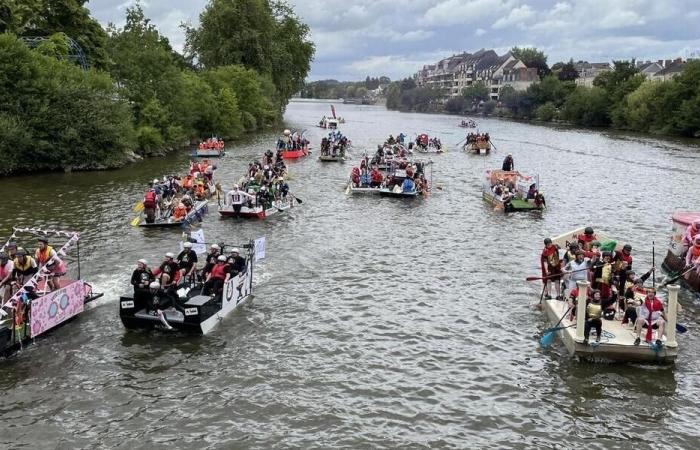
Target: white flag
point(260, 248)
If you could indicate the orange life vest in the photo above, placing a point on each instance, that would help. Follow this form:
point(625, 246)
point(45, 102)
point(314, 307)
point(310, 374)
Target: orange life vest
point(43, 257)
point(187, 182)
point(180, 212)
point(695, 252)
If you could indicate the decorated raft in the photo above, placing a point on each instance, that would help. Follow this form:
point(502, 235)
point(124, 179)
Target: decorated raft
point(256, 211)
point(480, 147)
point(34, 309)
point(200, 208)
point(520, 183)
point(617, 341)
point(194, 312)
point(674, 263)
point(211, 148)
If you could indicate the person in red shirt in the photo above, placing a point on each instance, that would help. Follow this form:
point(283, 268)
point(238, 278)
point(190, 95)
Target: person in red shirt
point(216, 278)
point(551, 268)
point(586, 239)
point(376, 177)
point(651, 315)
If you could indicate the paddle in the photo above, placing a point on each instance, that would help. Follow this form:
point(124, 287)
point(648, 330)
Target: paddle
point(493, 145)
point(135, 221)
point(297, 199)
point(138, 207)
point(548, 335)
point(676, 278)
point(653, 265)
point(555, 275)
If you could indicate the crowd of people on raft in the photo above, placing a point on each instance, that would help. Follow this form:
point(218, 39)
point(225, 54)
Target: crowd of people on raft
point(408, 175)
point(174, 197)
point(615, 286)
point(504, 187)
point(17, 266)
point(691, 247)
point(335, 144)
point(158, 286)
point(262, 185)
point(481, 140)
point(291, 141)
point(212, 144)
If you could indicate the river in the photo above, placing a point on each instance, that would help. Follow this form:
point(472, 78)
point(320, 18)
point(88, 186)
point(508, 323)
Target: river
point(377, 323)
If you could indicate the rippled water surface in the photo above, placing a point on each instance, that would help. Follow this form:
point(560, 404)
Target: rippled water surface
point(377, 323)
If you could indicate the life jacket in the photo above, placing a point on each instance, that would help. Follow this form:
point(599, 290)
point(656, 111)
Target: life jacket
point(43, 257)
point(620, 257)
point(180, 212)
point(594, 311)
point(376, 176)
point(22, 267)
point(219, 271)
point(586, 239)
point(187, 182)
point(694, 253)
point(605, 274)
point(551, 256)
point(149, 199)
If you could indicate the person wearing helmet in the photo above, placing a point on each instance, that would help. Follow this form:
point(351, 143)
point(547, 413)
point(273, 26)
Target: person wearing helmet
point(25, 267)
point(651, 316)
point(216, 278)
point(7, 266)
point(692, 257)
point(166, 273)
point(142, 276)
point(210, 260)
point(236, 263)
point(691, 232)
point(187, 261)
point(586, 238)
point(551, 268)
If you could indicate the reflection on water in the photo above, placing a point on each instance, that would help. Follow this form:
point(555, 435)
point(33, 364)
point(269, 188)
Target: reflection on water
point(377, 323)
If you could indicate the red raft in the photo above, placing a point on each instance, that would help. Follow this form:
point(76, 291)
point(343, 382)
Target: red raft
point(294, 154)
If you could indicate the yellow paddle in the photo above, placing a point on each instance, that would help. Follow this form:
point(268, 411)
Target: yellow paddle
point(136, 220)
point(138, 207)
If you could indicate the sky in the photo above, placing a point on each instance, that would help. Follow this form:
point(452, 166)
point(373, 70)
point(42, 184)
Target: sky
point(395, 38)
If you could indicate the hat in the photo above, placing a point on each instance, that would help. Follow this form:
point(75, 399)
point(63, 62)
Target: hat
point(154, 285)
point(169, 255)
point(143, 261)
point(235, 250)
point(155, 181)
point(43, 239)
point(187, 245)
point(627, 247)
point(11, 245)
point(215, 246)
point(221, 258)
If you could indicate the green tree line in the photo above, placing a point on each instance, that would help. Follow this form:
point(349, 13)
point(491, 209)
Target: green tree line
point(139, 96)
point(621, 98)
point(334, 89)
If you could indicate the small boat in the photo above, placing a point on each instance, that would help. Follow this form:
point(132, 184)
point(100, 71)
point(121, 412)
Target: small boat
point(212, 147)
point(193, 312)
point(478, 148)
point(329, 123)
point(617, 341)
point(198, 210)
point(257, 211)
point(331, 158)
point(467, 124)
point(397, 193)
point(674, 262)
point(46, 309)
point(520, 183)
point(295, 154)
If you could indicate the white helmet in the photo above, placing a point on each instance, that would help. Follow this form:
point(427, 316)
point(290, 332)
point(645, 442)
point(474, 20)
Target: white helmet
point(215, 246)
point(169, 255)
point(221, 258)
point(235, 250)
point(187, 245)
point(155, 181)
point(154, 285)
point(143, 261)
point(287, 132)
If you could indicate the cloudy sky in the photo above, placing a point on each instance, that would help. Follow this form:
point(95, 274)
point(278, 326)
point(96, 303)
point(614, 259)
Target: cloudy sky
point(356, 38)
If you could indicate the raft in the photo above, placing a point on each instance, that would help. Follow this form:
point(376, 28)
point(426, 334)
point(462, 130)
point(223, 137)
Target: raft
point(478, 148)
point(209, 152)
point(617, 341)
point(518, 202)
point(294, 154)
point(200, 208)
point(257, 211)
point(329, 158)
point(674, 262)
point(194, 313)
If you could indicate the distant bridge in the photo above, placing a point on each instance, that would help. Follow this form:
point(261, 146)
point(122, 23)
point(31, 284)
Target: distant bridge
point(75, 51)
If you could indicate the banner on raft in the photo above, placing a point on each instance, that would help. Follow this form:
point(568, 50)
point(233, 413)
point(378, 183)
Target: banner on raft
point(260, 248)
point(57, 307)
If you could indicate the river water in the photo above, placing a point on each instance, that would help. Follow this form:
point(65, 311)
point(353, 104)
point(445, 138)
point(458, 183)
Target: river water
point(377, 323)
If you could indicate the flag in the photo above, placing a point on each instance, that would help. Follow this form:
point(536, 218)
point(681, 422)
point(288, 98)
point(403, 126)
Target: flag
point(260, 248)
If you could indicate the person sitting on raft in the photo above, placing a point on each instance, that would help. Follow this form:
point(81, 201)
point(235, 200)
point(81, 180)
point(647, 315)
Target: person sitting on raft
point(159, 300)
point(235, 263)
point(179, 213)
point(166, 274)
point(216, 278)
point(692, 257)
point(46, 256)
point(408, 186)
point(652, 316)
point(586, 238)
point(628, 301)
point(142, 276)
point(7, 266)
point(187, 262)
point(376, 178)
point(210, 260)
point(691, 232)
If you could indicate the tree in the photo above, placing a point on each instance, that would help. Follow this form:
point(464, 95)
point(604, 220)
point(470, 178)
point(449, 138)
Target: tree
point(587, 106)
point(568, 72)
point(546, 112)
point(477, 92)
point(350, 91)
point(532, 57)
point(455, 105)
point(258, 34)
point(361, 92)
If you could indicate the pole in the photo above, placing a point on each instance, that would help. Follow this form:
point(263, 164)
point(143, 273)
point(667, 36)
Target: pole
point(77, 251)
point(653, 265)
point(672, 315)
point(581, 308)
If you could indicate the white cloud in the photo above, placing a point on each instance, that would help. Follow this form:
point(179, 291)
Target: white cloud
point(516, 17)
point(479, 32)
point(451, 12)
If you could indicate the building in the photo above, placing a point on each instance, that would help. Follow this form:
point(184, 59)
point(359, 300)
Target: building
point(452, 75)
point(670, 70)
point(649, 69)
point(588, 71)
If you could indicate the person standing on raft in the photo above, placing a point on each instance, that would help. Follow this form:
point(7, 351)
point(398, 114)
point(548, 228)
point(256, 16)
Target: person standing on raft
point(551, 268)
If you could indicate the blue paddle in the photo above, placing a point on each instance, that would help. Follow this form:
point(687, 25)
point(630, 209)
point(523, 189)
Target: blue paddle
point(548, 335)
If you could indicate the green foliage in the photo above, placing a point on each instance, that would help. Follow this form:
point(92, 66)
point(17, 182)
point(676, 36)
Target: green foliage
point(489, 106)
point(587, 106)
point(149, 138)
point(532, 57)
point(550, 89)
point(567, 72)
point(455, 105)
point(546, 112)
point(54, 115)
point(258, 34)
point(477, 92)
point(331, 89)
point(520, 103)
